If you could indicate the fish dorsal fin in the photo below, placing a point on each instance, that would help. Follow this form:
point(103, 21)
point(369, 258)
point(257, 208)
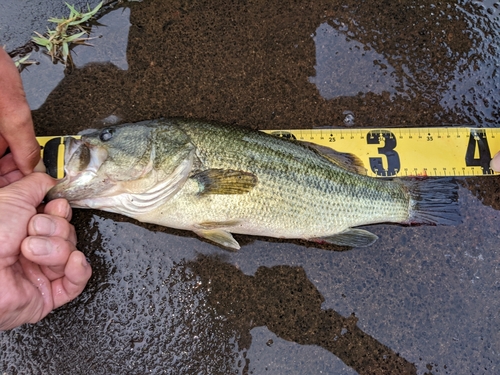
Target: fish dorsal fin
point(347, 161)
point(350, 237)
point(225, 181)
point(219, 236)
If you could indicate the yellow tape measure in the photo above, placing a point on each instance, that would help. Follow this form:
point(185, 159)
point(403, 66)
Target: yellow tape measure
point(391, 152)
point(403, 152)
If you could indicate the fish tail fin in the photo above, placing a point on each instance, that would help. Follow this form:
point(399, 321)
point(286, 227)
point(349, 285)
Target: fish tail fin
point(433, 201)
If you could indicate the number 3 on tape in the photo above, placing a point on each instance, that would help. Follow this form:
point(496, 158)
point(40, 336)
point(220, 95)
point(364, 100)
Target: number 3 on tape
point(393, 163)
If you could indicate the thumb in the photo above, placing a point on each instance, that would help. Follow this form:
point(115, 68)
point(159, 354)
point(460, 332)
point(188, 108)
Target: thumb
point(30, 190)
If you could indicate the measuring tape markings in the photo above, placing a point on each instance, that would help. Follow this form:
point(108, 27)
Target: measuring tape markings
point(407, 152)
point(390, 152)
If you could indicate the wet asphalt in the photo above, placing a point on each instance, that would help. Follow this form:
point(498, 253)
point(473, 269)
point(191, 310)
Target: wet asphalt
point(421, 300)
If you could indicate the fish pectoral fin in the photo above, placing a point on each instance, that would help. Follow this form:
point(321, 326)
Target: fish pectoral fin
point(225, 181)
point(347, 161)
point(219, 236)
point(351, 237)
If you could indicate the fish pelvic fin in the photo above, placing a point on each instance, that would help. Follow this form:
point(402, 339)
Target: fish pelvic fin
point(220, 237)
point(225, 181)
point(350, 237)
point(433, 201)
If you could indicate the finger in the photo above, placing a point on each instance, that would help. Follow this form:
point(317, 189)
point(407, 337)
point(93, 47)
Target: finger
point(77, 274)
point(16, 125)
point(51, 226)
point(10, 177)
point(30, 190)
point(495, 162)
point(9, 172)
point(48, 251)
point(7, 164)
point(59, 207)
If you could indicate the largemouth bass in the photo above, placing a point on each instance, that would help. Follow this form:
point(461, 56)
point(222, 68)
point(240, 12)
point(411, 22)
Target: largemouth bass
point(216, 180)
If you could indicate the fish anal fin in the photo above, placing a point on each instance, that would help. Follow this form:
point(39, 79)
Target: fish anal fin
point(225, 181)
point(350, 237)
point(347, 161)
point(220, 237)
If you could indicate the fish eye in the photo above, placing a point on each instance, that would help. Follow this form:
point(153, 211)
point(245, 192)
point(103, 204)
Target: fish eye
point(106, 134)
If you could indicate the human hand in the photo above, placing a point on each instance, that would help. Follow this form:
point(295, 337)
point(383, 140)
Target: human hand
point(40, 267)
point(16, 126)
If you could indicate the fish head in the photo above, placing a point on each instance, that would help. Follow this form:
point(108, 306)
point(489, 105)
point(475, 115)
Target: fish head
point(120, 159)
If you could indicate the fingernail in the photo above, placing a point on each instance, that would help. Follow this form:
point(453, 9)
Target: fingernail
point(39, 246)
point(495, 162)
point(43, 226)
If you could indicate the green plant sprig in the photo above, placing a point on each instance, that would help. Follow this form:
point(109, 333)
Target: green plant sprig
point(20, 63)
point(68, 31)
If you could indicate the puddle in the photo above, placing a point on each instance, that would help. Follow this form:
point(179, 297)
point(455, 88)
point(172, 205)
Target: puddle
point(110, 49)
point(421, 300)
point(37, 90)
point(366, 70)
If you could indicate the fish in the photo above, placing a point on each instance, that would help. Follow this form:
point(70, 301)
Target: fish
point(217, 180)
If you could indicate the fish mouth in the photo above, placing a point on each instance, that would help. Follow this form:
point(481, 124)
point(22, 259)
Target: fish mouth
point(76, 157)
point(81, 164)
